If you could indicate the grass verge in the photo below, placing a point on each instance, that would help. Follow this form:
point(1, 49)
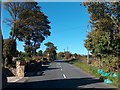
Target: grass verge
point(93, 71)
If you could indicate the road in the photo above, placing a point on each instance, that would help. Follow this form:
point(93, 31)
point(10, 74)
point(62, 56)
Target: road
point(59, 74)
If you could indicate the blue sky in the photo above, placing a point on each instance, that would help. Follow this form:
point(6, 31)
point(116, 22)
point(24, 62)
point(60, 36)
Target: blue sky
point(68, 26)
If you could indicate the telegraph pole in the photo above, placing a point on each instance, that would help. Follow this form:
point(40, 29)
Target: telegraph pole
point(88, 60)
point(67, 49)
point(64, 50)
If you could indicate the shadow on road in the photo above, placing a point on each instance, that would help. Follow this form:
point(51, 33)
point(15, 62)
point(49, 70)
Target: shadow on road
point(40, 71)
point(72, 83)
point(34, 73)
point(61, 61)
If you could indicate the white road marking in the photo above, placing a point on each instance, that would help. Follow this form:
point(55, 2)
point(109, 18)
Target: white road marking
point(64, 76)
point(61, 69)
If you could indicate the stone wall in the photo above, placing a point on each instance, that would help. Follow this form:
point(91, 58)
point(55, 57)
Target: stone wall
point(19, 69)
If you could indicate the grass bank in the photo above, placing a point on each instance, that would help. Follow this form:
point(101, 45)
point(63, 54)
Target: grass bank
point(93, 71)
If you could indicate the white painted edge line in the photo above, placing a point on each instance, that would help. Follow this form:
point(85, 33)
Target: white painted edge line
point(64, 76)
point(61, 69)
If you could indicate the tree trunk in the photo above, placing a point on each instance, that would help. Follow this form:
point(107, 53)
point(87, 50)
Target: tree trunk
point(34, 49)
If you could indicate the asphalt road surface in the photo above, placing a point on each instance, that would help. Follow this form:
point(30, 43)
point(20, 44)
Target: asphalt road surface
point(59, 74)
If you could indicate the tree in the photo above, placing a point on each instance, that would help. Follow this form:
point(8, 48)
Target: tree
point(9, 50)
point(104, 38)
point(60, 55)
point(50, 50)
point(40, 53)
point(49, 45)
point(67, 55)
point(29, 24)
point(32, 27)
point(15, 9)
point(75, 56)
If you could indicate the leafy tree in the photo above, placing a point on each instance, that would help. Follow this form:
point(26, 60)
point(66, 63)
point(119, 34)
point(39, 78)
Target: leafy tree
point(60, 55)
point(104, 38)
point(105, 17)
point(40, 53)
point(50, 45)
point(9, 50)
point(32, 27)
point(50, 50)
point(75, 55)
point(67, 55)
point(21, 54)
point(28, 50)
point(15, 9)
point(29, 24)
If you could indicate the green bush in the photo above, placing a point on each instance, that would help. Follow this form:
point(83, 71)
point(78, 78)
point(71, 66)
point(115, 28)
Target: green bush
point(20, 58)
point(27, 59)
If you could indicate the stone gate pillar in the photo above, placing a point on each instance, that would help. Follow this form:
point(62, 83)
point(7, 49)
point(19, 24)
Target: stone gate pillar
point(19, 69)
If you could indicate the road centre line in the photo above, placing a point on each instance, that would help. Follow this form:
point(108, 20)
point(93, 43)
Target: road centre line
point(64, 76)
